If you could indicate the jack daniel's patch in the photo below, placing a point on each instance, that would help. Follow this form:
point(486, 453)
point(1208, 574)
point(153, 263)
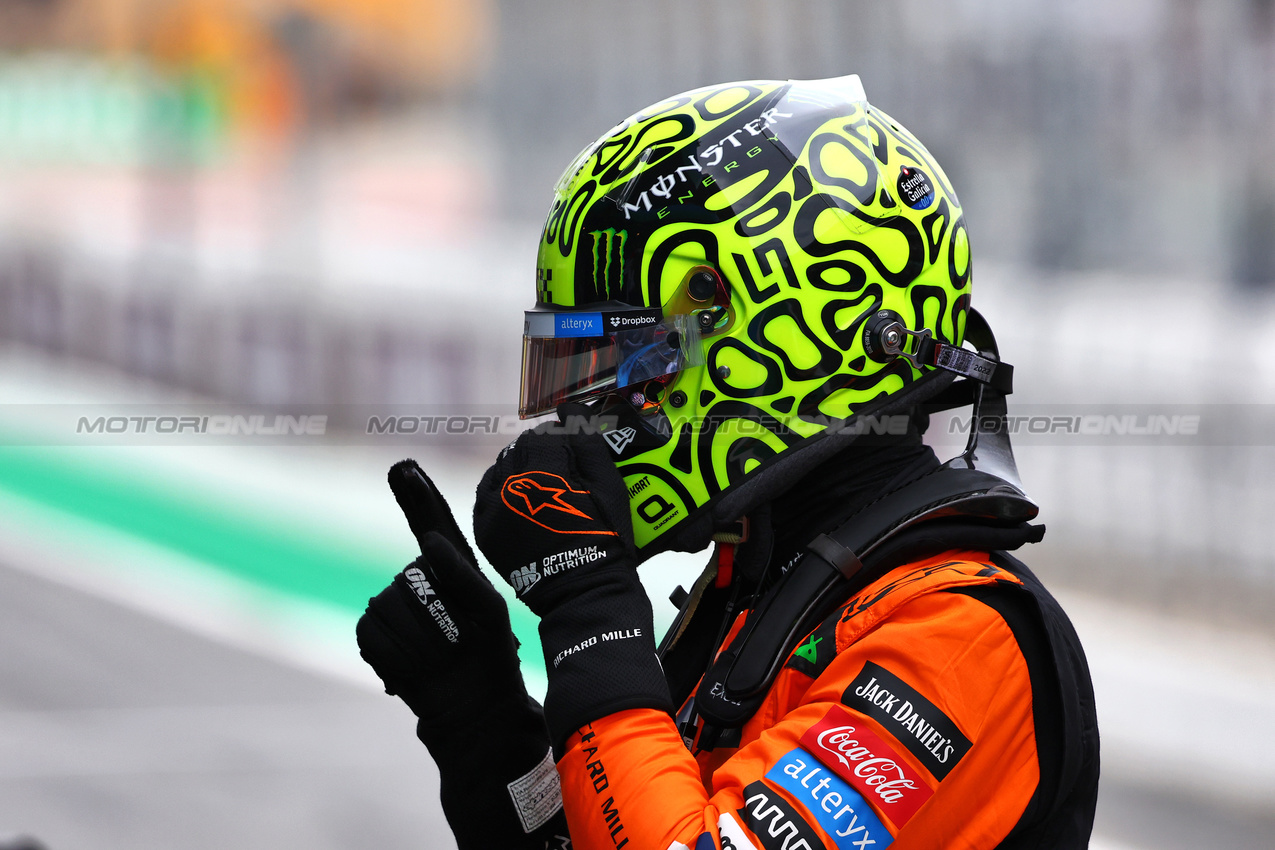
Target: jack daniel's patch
point(918, 724)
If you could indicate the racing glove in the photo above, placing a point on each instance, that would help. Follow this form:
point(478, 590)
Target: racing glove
point(440, 640)
point(552, 516)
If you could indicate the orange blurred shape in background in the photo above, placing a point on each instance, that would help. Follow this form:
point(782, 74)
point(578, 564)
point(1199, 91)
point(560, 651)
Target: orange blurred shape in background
point(239, 47)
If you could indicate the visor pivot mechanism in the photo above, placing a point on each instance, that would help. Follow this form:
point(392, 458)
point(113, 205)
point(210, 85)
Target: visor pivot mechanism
point(702, 287)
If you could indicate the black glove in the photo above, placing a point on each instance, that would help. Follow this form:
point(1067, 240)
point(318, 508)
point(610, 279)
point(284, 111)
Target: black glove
point(439, 638)
point(552, 516)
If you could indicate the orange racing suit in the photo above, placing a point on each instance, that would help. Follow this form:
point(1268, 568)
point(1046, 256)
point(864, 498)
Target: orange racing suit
point(946, 705)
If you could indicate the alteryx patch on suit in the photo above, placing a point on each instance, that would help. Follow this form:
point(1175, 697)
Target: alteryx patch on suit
point(927, 732)
point(849, 748)
point(834, 805)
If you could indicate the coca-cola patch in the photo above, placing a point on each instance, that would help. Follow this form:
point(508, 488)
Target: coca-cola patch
point(850, 749)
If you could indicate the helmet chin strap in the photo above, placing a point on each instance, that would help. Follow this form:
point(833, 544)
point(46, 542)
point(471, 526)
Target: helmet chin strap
point(885, 337)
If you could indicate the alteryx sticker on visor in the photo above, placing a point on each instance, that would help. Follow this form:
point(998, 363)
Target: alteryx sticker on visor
point(845, 744)
point(545, 325)
point(838, 808)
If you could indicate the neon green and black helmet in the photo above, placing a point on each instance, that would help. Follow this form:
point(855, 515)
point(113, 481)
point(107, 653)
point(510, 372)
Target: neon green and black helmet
point(741, 274)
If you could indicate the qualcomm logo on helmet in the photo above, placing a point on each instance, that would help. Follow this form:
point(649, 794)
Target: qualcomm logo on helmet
point(619, 440)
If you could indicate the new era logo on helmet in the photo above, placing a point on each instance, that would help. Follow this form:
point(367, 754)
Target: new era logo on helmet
point(420, 584)
point(619, 440)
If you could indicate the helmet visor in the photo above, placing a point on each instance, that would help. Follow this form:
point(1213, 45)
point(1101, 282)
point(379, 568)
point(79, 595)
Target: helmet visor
point(572, 356)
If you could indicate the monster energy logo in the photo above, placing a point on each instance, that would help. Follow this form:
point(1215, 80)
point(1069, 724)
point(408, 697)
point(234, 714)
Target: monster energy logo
point(608, 260)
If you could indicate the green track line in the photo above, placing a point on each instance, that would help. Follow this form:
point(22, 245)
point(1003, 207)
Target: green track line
point(276, 556)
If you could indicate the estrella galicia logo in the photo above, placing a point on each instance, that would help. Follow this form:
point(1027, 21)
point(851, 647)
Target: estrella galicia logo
point(548, 500)
point(620, 439)
point(915, 188)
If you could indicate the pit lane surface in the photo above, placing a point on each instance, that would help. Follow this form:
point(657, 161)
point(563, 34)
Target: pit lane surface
point(118, 730)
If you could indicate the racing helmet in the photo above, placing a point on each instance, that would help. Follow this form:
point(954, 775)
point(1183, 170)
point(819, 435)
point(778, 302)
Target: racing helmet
point(738, 280)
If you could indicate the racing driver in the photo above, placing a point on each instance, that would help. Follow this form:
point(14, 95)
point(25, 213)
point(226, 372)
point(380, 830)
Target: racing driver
point(749, 300)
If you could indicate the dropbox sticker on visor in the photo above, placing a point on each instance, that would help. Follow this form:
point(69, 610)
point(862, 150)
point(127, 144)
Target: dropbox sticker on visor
point(545, 325)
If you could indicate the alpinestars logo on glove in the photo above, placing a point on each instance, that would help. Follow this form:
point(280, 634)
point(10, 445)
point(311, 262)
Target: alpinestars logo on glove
point(550, 502)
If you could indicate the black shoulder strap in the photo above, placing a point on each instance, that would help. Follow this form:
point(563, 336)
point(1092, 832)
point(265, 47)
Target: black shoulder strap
point(948, 509)
point(951, 508)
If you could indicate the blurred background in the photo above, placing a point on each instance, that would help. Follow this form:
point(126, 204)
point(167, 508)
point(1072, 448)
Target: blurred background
point(331, 208)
